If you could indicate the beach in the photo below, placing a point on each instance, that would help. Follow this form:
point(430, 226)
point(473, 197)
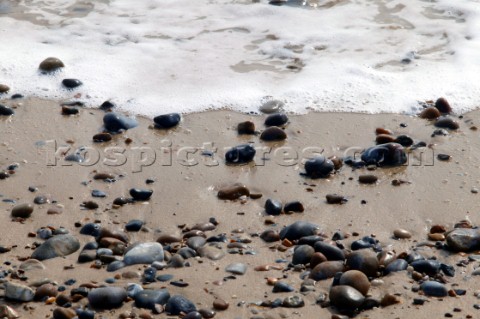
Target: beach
point(414, 197)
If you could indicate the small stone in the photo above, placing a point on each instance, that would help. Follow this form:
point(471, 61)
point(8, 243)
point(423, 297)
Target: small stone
point(270, 236)
point(404, 140)
point(67, 110)
point(141, 194)
point(381, 130)
point(364, 260)
point(281, 286)
point(277, 119)
point(233, 192)
point(298, 230)
point(17, 292)
point(384, 139)
point(31, 264)
point(367, 179)
point(178, 304)
point(463, 239)
point(396, 265)
point(357, 280)
point(102, 137)
point(134, 225)
point(98, 193)
point(107, 297)
point(51, 64)
point(346, 297)
point(447, 122)
point(443, 106)
point(22, 211)
point(236, 268)
point(240, 154)
point(273, 207)
point(326, 270)
point(389, 300)
point(402, 233)
point(294, 206)
point(331, 252)
point(430, 113)
point(144, 253)
point(434, 288)
point(64, 313)
point(8, 312)
point(57, 246)
point(4, 88)
point(336, 199)
point(6, 111)
point(149, 299)
point(220, 304)
point(319, 167)
point(302, 254)
point(71, 83)
point(272, 106)
point(167, 121)
point(293, 302)
point(115, 122)
point(273, 133)
point(443, 157)
point(247, 127)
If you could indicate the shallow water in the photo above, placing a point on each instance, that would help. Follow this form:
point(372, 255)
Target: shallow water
point(157, 56)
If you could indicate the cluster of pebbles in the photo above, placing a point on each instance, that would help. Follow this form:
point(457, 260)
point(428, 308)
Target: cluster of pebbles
point(352, 265)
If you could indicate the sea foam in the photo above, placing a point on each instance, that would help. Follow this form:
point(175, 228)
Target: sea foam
point(157, 56)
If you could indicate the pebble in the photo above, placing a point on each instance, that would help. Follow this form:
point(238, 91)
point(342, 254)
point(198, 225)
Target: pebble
point(281, 286)
point(150, 298)
point(247, 127)
point(447, 122)
point(463, 239)
point(91, 229)
point(293, 302)
point(85, 314)
point(319, 167)
point(298, 230)
point(430, 267)
point(63, 313)
point(443, 157)
point(57, 246)
point(302, 254)
point(402, 233)
point(178, 304)
point(141, 194)
point(71, 83)
point(363, 260)
point(115, 122)
point(329, 251)
point(276, 119)
point(294, 206)
point(220, 304)
point(357, 280)
point(389, 154)
point(196, 242)
point(240, 154)
point(317, 258)
point(443, 106)
point(102, 137)
point(396, 265)
point(273, 207)
point(51, 64)
point(389, 300)
point(236, 268)
point(107, 297)
point(6, 111)
point(404, 140)
point(194, 315)
point(46, 290)
point(335, 199)
point(430, 113)
point(384, 139)
point(326, 270)
point(98, 193)
point(346, 297)
point(134, 225)
point(4, 88)
point(22, 211)
point(233, 192)
point(434, 288)
point(132, 289)
point(17, 292)
point(67, 110)
point(144, 253)
point(8, 312)
point(270, 236)
point(31, 264)
point(273, 133)
point(272, 106)
point(167, 121)
point(367, 179)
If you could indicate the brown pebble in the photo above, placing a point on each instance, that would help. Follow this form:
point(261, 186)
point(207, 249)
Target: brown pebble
point(63, 299)
point(436, 237)
point(63, 313)
point(220, 304)
point(380, 130)
point(443, 106)
point(384, 139)
point(233, 192)
point(207, 313)
point(4, 88)
point(430, 113)
point(166, 239)
point(437, 229)
point(367, 179)
point(46, 290)
point(270, 236)
point(255, 195)
point(247, 127)
point(317, 258)
point(54, 211)
point(357, 280)
point(337, 162)
point(22, 210)
point(402, 233)
point(102, 137)
point(335, 199)
point(273, 133)
point(90, 205)
point(103, 176)
point(51, 64)
point(389, 300)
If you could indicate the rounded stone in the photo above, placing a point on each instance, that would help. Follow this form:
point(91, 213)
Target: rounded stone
point(196, 242)
point(276, 119)
point(463, 239)
point(363, 260)
point(281, 286)
point(134, 225)
point(6, 111)
point(22, 211)
point(141, 194)
point(357, 280)
point(247, 127)
point(57, 246)
point(319, 167)
point(167, 121)
point(346, 297)
point(220, 304)
point(329, 251)
point(270, 236)
point(273, 207)
point(434, 289)
point(389, 154)
point(447, 122)
point(326, 270)
point(51, 64)
point(107, 297)
point(211, 252)
point(272, 134)
point(317, 258)
point(236, 268)
point(102, 137)
point(443, 106)
point(150, 298)
point(240, 154)
point(64, 313)
point(294, 206)
point(367, 179)
point(430, 113)
point(115, 122)
point(4, 88)
point(402, 233)
point(144, 253)
point(298, 230)
point(272, 106)
point(17, 292)
point(233, 192)
point(71, 83)
point(178, 304)
point(396, 265)
point(302, 254)
point(46, 290)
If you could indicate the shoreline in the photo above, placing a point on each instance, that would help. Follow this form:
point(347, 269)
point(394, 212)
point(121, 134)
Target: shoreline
point(186, 195)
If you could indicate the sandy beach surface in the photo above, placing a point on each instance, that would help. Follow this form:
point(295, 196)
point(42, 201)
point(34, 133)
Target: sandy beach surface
point(187, 173)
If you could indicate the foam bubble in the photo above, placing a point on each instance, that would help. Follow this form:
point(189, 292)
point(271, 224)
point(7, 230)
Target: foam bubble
point(153, 56)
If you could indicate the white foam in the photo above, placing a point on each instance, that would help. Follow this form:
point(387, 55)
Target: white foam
point(157, 56)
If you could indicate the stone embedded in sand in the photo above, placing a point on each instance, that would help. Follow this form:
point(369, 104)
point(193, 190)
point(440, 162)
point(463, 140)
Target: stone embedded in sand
point(346, 297)
point(447, 122)
point(17, 292)
point(367, 179)
point(240, 154)
point(116, 122)
point(57, 246)
point(31, 264)
point(102, 137)
point(141, 194)
point(71, 83)
point(319, 167)
point(247, 127)
point(430, 113)
point(396, 265)
point(220, 304)
point(273, 133)
point(463, 239)
point(434, 289)
point(389, 154)
point(402, 233)
point(443, 106)
point(107, 297)
point(67, 110)
point(357, 280)
point(302, 254)
point(335, 199)
point(178, 304)
point(277, 119)
point(236, 268)
point(326, 270)
point(273, 207)
point(167, 121)
point(144, 253)
point(294, 206)
point(148, 298)
point(51, 64)
point(233, 192)
point(298, 230)
point(22, 211)
point(363, 260)
point(329, 251)
point(4, 88)
point(281, 286)
point(6, 111)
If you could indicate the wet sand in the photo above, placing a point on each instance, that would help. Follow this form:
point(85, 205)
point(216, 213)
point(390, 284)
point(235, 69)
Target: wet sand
point(437, 193)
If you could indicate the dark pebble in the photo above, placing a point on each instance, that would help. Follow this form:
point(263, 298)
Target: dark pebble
point(298, 230)
point(98, 193)
point(233, 192)
point(363, 260)
point(51, 64)
point(346, 297)
point(91, 229)
point(396, 265)
point(280, 286)
point(141, 194)
point(273, 134)
point(90, 205)
point(66, 110)
point(270, 236)
point(277, 119)
point(367, 179)
point(115, 122)
point(240, 154)
point(294, 206)
point(22, 211)
point(273, 207)
point(102, 137)
point(430, 113)
point(149, 298)
point(167, 121)
point(134, 225)
point(443, 106)
point(326, 270)
point(390, 154)
point(302, 254)
point(178, 304)
point(107, 297)
point(107, 105)
point(6, 111)
point(404, 140)
point(247, 127)
point(357, 280)
point(336, 199)
point(71, 83)
point(319, 167)
point(447, 122)
point(443, 157)
point(384, 139)
point(329, 251)
point(434, 288)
